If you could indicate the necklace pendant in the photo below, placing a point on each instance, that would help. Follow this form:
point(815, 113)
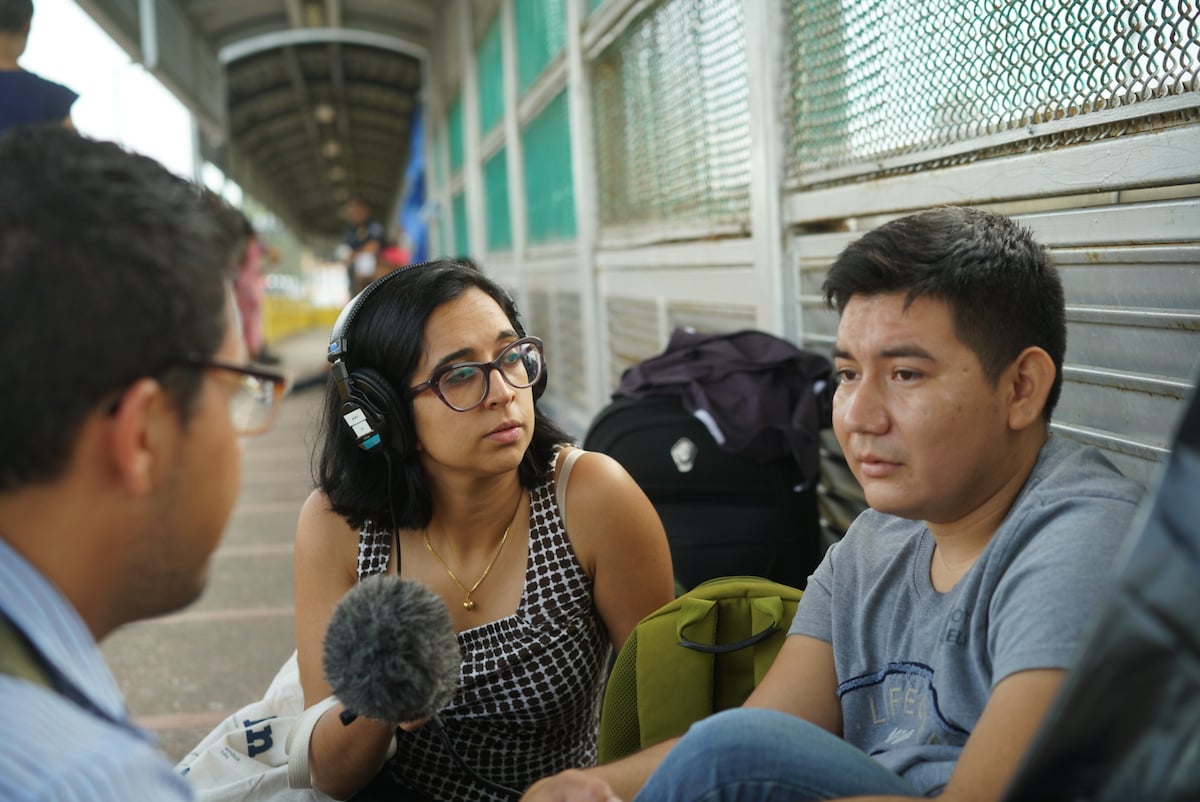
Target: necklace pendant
point(468, 603)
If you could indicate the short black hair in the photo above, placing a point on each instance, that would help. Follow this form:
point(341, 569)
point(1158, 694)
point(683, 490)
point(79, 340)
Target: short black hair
point(388, 337)
point(1004, 294)
point(111, 268)
point(15, 15)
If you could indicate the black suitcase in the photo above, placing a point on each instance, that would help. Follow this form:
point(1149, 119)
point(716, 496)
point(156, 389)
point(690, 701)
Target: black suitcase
point(724, 514)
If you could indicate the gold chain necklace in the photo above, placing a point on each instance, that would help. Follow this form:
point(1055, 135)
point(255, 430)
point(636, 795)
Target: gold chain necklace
point(468, 602)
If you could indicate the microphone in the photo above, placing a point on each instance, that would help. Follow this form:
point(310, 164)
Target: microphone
point(390, 651)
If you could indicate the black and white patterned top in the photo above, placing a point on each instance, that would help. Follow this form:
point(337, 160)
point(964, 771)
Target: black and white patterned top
point(528, 701)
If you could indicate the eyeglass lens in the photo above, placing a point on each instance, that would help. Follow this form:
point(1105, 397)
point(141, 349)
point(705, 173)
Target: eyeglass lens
point(465, 386)
point(253, 404)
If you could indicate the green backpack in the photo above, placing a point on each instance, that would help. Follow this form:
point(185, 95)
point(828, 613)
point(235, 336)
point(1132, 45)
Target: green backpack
point(701, 653)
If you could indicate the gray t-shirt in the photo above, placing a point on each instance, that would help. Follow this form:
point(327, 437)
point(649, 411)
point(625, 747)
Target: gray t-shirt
point(915, 667)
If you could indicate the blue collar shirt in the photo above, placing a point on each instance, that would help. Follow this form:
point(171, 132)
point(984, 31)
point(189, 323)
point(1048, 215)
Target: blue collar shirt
point(54, 748)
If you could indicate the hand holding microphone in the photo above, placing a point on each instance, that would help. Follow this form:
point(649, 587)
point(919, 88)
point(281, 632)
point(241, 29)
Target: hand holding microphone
point(391, 654)
point(390, 651)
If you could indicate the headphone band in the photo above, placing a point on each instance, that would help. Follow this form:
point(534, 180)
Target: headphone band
point(339, 337)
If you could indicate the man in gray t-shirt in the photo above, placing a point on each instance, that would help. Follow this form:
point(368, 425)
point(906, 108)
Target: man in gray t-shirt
point(931, 640)
point(916, 666)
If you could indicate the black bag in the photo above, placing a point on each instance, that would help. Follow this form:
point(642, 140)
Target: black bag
point(1126, 724)
point(724, 513)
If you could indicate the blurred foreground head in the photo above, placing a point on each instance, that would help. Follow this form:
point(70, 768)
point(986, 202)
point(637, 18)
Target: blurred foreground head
point(111, 269)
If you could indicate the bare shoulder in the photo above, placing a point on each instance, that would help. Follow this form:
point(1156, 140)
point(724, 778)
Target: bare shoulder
point(620, 542)
point(601, 495)
point(322, 534)
point(605, 508)
point(594, 477)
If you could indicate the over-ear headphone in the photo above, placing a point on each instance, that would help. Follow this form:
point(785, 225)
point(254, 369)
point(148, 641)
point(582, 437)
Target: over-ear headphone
point(370, 406)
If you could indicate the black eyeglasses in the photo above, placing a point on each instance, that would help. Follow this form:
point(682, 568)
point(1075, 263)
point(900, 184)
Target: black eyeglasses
point(255, 400)
point(465, 385)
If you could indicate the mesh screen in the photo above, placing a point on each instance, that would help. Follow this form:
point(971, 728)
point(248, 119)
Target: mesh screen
point(710, 317)
point(541, 35)
point(454, 132)
point(490, 66)
point(671, 117)
point(461, 245)
point(632, 325)
point(549, 191)
point(495, 190)
point(569, 358)
point(869, 80)
point(536, 313)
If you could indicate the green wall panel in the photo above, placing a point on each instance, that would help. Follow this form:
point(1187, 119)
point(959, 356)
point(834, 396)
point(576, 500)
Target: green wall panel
point(461, 244)
point(541, 35)
point(495, 189)
point(490, 65)
point(454, 123)
point(549, 189)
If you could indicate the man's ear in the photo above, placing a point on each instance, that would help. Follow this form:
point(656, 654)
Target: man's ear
point(140, 435)
point(1029, 379)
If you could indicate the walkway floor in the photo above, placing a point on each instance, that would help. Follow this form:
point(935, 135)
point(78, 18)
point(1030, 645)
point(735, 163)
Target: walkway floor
point(184, 673)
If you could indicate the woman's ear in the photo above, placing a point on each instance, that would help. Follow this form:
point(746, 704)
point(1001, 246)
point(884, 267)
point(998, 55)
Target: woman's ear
point(140, 435)
point(1029, 378)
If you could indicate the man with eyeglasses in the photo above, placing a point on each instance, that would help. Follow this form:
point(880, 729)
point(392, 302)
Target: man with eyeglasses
point(127, 389)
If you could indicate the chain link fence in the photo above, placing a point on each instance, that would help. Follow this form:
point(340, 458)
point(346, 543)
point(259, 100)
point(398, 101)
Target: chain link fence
point(870, 81)
point(671, 118)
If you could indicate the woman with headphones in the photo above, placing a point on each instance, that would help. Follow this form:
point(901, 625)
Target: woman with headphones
point(436, 464)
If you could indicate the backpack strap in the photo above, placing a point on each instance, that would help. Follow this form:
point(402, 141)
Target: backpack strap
point(17, 657)
point(698, 619)
point(20, 658)
point(560, 481)
point(686, 689)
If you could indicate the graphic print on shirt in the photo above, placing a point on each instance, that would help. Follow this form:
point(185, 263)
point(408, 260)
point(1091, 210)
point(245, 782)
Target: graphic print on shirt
point(894, 707)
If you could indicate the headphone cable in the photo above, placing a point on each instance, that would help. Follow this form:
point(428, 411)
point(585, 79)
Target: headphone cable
point(436, 721)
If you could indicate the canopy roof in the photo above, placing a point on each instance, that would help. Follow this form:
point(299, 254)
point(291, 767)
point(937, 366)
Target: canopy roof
point(305, 103)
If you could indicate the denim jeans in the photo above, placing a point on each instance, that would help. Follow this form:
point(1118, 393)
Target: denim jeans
point(756, 755)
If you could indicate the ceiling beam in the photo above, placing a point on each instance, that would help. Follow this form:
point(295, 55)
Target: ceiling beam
point(345, 137)
point(300, 88)
point(309, 36)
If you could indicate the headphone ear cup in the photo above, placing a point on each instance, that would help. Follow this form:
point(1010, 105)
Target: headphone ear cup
point(371, 393)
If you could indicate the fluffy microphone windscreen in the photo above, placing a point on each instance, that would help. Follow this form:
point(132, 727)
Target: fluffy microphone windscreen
point(390, 651)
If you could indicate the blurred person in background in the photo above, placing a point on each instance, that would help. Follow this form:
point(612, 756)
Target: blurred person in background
point(250, 289)
point(365, 237)
point(25, 98)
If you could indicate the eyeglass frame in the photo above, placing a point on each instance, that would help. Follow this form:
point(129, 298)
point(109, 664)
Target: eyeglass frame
point(280, 383)
point(435, 376)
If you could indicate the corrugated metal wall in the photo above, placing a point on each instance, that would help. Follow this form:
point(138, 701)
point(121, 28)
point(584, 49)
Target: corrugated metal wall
point(715, 155)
